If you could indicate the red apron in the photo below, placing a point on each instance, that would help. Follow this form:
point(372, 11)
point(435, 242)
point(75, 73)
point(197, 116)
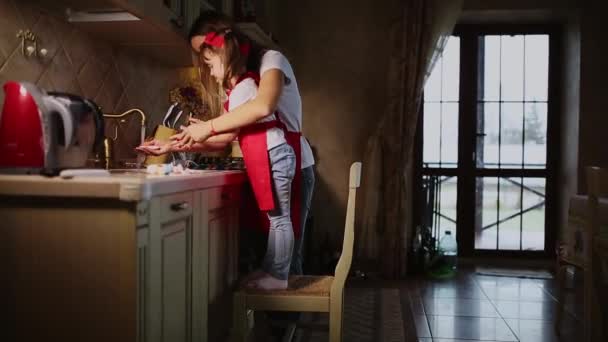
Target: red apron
point(253, 143)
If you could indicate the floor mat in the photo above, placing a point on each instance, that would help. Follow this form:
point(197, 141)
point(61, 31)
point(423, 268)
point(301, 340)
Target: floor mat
point(370, 314)
point(514, 272)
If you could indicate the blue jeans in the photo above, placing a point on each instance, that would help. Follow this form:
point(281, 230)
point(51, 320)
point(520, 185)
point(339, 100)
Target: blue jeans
point(280, 236)
point(308, 185)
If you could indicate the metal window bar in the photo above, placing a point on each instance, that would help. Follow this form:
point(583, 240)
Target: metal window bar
point(523, 149)
point(499, 142)
point(441, 111)
point(432, 193)
point(521, 211)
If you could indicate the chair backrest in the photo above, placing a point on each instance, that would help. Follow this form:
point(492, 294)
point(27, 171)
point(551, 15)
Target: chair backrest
point(600, 285)
point(346, 258)
point(597, 188)
point(572, 244)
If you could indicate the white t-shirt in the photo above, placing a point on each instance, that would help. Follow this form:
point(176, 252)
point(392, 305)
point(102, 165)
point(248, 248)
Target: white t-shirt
point(245, 91)
point(290, 103)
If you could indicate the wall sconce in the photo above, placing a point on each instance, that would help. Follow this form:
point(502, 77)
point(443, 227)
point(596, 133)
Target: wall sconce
point(29, 44)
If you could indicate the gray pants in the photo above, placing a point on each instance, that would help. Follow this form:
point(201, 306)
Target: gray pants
point(280, 236)
point(308, 185)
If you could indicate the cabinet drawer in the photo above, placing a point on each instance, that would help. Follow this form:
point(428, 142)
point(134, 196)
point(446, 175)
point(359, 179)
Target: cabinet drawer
point(176, 206)
point(223, 196)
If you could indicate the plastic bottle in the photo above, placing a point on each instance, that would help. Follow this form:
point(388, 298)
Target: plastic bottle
point(449, 248)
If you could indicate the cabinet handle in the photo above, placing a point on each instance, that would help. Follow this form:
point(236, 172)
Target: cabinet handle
point(142, 212)
point(180, 206)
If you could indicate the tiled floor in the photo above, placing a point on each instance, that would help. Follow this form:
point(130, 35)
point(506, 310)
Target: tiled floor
point(467, 308)
point(473, 307)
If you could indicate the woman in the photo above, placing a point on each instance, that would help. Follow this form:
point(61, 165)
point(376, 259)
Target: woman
point(277, 91)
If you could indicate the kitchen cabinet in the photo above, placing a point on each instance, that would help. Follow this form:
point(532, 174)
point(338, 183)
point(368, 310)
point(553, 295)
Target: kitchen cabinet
point(188, 10)
point(259, 25)
point(148, 27)
point(152, 260)
point(156, 27)
point(193, 265)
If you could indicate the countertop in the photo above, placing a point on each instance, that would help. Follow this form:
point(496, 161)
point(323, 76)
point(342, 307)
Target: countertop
point(124, 185)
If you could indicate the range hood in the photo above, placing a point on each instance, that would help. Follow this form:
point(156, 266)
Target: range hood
point(107, 15)
point(143, 34)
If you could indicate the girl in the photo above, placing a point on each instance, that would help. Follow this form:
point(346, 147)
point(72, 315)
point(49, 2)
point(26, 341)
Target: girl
point(277, 90)
point(270, 160)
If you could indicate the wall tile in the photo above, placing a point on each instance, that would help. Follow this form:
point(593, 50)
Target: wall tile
point(18, 67)
point(2, 58)
point(102, 52)
point(89, 78)
point(115, 78)
point(61, 72)
point(78, 48)
point(29, 13)
point(126, 65)
point(123, 103)
point(46, 83)
point(63, 29)
point(110, 92)
point(10, 23)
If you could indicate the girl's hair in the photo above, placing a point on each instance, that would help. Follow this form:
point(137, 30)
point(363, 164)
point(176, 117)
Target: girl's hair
point(234, 61)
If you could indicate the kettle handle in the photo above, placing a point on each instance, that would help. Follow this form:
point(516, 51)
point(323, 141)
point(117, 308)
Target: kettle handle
point(99, 122)
point(68, 126)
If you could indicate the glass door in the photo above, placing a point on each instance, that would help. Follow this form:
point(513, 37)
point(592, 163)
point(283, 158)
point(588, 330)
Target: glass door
point(484, 137)
point(511, 142)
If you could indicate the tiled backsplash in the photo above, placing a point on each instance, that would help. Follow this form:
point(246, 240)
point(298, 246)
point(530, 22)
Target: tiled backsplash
point(84, 65)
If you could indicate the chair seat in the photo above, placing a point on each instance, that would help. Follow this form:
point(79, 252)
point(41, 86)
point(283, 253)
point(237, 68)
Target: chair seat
point(579, 208)
point(299, 286)
point(573, 260)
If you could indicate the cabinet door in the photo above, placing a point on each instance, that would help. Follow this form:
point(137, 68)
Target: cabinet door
point(169, 304)
point(223, 269)
point(176, 265)
point(142, 281)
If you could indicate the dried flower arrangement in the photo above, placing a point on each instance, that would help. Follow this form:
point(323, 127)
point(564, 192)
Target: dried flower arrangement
point(189, 100)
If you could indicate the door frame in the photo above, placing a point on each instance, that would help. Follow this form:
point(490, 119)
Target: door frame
point(466, 171)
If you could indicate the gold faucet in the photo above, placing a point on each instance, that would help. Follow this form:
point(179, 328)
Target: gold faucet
point(142, 131)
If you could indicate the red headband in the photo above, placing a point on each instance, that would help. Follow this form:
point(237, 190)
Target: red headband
point(214, 39)
point(217, 40)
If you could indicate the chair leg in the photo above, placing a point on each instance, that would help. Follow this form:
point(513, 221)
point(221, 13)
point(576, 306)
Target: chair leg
point(561, 296)
point(336, 309)
point(240, 321)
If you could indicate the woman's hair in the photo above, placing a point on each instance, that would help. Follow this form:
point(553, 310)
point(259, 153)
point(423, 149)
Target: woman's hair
point(232, 57)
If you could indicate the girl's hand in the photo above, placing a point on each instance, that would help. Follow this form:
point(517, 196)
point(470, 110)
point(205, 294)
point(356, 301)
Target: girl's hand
point(194, 121)
point(196, 132)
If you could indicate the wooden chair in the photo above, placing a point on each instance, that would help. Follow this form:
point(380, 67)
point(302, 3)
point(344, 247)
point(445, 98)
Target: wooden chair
point(306, 293)
point(600, 286)
point(570, 252)
point(597, 188)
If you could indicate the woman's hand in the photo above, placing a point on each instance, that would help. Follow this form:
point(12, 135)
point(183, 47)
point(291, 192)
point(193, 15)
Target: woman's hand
point(197, 132)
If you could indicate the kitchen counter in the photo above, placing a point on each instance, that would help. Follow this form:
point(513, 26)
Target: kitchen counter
point(125, 257)
point(125, 185)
